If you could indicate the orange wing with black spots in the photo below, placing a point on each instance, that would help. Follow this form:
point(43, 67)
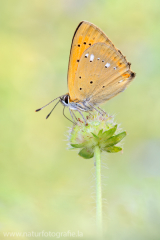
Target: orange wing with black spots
point(102, 73)
point(97, 70)
point(84, 37)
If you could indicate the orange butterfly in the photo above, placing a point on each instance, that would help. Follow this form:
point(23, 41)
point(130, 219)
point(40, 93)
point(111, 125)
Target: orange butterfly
point(97, 71)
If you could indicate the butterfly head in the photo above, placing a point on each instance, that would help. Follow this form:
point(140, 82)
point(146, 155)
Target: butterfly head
point(65, 100)
point(76, 104)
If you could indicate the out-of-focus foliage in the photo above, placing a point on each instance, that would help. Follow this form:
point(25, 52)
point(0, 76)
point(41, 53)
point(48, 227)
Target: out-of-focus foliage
point(43, 186)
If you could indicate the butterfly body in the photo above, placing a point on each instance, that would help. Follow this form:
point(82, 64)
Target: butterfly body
point(75, 105)
point(97, 70)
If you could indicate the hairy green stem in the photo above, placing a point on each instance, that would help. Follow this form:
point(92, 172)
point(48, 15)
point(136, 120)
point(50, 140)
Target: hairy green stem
point(97, 155)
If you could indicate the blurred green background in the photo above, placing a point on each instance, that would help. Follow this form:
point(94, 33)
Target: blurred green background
point(44, 186)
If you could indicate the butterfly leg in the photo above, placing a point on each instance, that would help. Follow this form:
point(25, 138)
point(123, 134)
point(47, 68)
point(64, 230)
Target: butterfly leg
point(82, 116)
point(66, 117)
point(102, 110)
point(72, 116)
point(95, 109)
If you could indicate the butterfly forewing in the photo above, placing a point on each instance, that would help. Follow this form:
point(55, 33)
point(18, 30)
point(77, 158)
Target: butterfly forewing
point(85, 36)
point(102, 73)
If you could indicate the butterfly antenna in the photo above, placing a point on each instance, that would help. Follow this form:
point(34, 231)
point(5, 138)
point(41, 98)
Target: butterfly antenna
point(47, 104)
point(52, 110)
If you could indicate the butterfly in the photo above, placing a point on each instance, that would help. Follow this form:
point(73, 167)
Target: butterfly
point(97, 71)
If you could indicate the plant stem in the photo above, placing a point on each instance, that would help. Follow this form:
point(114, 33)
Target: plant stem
point(97, 155)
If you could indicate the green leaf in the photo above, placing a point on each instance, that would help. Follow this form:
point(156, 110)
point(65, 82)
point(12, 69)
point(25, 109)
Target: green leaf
point(114, 140)
point(86, 153)
point(78, 145)
point(95, 136)
point(100, 133)
point(109, 133)
point(112, 149)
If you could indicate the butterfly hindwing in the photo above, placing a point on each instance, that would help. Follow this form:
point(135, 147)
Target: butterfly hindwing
point(102, 73)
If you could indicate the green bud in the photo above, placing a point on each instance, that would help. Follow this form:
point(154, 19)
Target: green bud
point(101, 131)
point(86, 153)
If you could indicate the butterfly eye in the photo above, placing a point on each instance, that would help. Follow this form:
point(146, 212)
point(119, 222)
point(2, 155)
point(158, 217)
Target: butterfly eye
point(84, 43)
point(80, 77)
point(77, 60)
point(91, 82)
point(78, 45)
point(66, 99)
point(80, 88)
